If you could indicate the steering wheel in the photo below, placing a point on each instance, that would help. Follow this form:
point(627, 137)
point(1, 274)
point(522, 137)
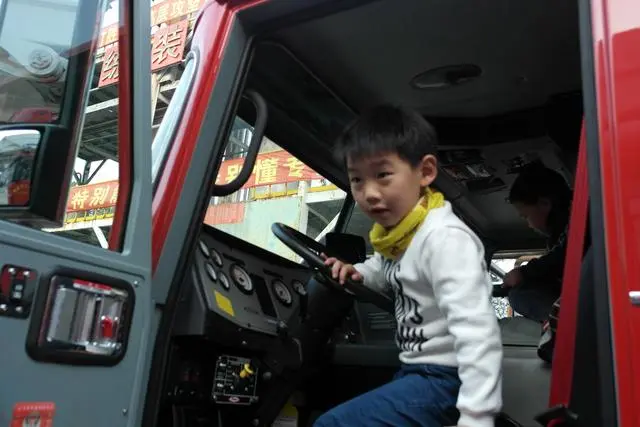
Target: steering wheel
point(310, 251)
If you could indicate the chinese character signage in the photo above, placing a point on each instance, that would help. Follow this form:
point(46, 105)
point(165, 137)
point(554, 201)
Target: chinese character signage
point(90, 215)
point(94, 196)
point(33, 414)
point(277, 167)
point(167, 48)
point(97, 201)
point(108, 35)
point(167, 45)
point(162, 12)
point(172, 9)
point(109, 73)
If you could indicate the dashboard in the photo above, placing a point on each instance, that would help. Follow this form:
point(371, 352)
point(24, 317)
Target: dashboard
point(250, 324)
point(231, 335)
point(243, 286)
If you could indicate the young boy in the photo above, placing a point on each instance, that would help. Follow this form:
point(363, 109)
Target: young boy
point(447, 333)
point(543, 198)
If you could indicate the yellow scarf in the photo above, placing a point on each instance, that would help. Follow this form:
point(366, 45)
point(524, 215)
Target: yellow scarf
point(392, 243)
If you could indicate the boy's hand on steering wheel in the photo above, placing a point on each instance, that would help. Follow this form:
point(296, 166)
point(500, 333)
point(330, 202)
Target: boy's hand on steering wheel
point(340, 271)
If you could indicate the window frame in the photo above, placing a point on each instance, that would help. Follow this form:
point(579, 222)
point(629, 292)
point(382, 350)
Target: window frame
point(165, 136)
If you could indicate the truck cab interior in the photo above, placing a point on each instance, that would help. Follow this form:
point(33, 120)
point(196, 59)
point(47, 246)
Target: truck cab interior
point(257, 337)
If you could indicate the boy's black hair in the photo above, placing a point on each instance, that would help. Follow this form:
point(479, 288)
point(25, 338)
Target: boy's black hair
point(387, 128)
point(537, 181)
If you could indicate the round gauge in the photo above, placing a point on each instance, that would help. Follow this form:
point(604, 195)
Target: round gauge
point(211, 271)
point(224, 281)
point(204, 249)
point(282, 292)
point(241, 278)
point(298, 287)
point(217, 259)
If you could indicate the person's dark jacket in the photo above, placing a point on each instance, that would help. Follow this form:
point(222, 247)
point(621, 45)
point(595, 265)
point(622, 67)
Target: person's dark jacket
point(549, 268)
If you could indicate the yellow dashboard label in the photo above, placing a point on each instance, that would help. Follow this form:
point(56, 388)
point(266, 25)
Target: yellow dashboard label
point(224, 303)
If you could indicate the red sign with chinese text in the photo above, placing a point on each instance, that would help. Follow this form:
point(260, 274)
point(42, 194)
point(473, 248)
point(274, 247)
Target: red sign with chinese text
point(161, 12)
point(226, 213)
point(109, 73)
point(167, 46)
point(172, 9)
point(277, 167)
point(33, 414)
point(108, 35)
point(94, 196)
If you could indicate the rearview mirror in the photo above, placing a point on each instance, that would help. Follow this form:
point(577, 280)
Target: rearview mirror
point(45, 72)
point(17, 157)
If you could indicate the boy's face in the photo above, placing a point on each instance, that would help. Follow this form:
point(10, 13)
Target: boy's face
point(387, 187)
point(535, 214)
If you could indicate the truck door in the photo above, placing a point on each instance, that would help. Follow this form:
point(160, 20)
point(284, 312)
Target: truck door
point(615, 25)
point(74, 317)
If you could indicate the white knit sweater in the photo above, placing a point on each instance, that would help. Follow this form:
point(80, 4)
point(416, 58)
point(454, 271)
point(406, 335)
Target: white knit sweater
point(443, 310)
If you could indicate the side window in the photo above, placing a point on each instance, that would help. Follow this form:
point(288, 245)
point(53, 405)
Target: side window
point(37, 64)
point(281, 188)
point(95, 183)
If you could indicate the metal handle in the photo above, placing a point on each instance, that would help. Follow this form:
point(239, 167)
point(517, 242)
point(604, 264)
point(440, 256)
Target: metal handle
point(254, 146)
point(634, 296)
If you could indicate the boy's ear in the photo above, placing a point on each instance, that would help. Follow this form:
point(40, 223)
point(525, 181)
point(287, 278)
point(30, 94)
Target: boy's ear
point(428, 169)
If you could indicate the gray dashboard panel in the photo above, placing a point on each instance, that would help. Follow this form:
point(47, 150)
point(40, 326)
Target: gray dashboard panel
point(258, 309)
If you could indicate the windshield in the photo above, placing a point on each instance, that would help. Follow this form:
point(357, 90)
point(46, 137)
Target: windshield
point(281, 189)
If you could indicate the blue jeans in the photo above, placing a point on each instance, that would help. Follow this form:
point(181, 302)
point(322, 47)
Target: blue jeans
point(418, 396)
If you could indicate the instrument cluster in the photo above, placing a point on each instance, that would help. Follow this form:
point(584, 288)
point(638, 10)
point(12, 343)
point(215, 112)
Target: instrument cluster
point(242, 280)
point(245, 284)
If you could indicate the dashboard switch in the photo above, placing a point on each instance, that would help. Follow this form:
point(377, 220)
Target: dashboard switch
point(236, 380)
point(17, 286)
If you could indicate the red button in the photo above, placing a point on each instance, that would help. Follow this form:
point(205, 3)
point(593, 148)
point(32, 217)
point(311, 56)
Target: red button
point(106, 327)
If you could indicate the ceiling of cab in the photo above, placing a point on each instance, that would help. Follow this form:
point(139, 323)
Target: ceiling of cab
point(521, 108)
point(527, 50)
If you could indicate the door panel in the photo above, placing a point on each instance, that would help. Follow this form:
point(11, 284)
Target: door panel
point(82, 395)
point(93, 389)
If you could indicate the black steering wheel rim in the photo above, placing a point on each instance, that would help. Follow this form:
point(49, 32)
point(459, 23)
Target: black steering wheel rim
point(310, 250)
point(303, 245)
